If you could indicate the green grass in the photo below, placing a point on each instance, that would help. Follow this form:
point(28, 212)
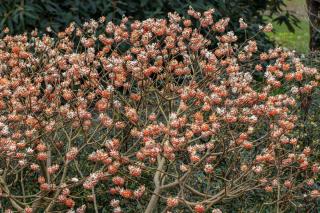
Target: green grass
point(299, 40)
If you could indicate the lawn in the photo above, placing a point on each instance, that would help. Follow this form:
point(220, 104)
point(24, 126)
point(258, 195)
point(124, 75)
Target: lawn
point(300, 38)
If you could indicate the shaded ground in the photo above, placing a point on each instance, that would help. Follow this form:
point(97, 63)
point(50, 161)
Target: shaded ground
point(300, 39)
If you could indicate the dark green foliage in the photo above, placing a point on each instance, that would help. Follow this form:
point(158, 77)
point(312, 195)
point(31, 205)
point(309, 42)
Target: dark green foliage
point(26, 15)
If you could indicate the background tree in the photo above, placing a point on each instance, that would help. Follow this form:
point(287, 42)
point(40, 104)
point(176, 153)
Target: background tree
point(313, 12)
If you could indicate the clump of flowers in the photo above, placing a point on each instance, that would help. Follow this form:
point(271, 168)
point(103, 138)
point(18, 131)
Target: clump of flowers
point(168, 113)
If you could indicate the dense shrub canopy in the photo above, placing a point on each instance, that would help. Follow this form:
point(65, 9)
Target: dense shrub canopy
point(22, 15)
point(153, 115)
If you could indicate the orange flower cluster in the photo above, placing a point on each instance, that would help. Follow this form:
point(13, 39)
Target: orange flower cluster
point(172, 112)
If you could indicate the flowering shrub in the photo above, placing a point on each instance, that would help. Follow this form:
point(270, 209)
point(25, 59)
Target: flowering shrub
point(152, 115)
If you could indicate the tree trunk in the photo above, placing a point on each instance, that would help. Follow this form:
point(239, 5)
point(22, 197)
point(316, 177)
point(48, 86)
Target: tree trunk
point(314, 23)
